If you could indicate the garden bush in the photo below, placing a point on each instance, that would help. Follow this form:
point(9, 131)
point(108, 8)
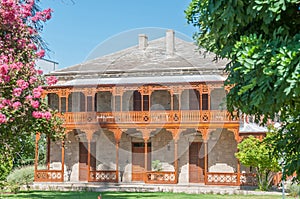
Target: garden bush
point(20, 176)
point(294, 190)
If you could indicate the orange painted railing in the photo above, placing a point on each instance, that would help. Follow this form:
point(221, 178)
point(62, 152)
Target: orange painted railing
point(161, 177)
point(222, 179)
point(48, 176)
point(233, 179)
point(188, 116)
point(103, 176)
point(248, 179)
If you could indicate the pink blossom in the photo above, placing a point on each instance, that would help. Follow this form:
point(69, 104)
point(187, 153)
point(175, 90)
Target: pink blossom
point(40, 72)
point(6, 102)
point(17, 92)
point(28, 97)
point(16, 105)
point(32, 46)
point(51, 80)
point(40, 53)
point(2, 118)
point(47, 115)
point(37, 114)
point(22, 84)
point(42, 15)
point(32, 80)
point(37, 92)
point(6, 78)
point(35, 104)
point(4, 69)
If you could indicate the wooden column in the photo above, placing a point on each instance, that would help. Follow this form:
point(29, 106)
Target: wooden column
point(205, 134)
point(172, 100)
point(146, 136)
point(176, 159)
point(62, 160)
point(176, 135)
point(89, 135)
point(37, 138)
point(67, 102)
point(48, 152)
point(238, 139)
point(117, 160)
point(117, 134)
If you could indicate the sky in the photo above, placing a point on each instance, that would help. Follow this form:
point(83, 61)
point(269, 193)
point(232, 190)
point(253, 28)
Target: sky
point(83, 29)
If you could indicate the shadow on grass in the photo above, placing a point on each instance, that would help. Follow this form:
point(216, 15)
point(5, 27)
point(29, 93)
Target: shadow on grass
point(79, 195)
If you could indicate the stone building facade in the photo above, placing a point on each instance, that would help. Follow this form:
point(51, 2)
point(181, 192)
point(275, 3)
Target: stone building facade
point(152, 113)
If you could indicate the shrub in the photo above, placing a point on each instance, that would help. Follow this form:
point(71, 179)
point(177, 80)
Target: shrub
point(20, 176)
point(294, 190)
point(156, 165)
point(5, 166)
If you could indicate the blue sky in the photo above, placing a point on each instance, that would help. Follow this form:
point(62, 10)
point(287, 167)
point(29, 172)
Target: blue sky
point(76, 29)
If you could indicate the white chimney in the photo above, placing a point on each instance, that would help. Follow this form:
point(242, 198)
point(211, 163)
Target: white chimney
point(143, 41)
point(170, 42)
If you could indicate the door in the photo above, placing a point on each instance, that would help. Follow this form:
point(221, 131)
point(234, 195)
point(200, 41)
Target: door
point(138, 160)
point(83, 160)
point(196, 163)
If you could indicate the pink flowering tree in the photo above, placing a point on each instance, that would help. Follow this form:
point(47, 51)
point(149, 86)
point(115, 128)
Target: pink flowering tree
point(23, 111)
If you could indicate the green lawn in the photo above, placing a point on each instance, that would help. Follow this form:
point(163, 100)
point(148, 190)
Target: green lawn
point(125, 195)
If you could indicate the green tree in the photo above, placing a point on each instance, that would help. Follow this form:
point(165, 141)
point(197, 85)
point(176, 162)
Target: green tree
point(262, 41)
point(258, 154)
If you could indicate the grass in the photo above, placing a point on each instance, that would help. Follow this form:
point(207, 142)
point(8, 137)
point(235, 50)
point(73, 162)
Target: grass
point(126, 195)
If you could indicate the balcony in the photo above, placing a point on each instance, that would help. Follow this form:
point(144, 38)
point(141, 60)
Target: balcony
point(144, 117)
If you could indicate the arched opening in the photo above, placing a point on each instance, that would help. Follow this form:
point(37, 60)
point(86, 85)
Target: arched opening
point(217, 99)
point(160, 100)
point(53, 101)
point(76, 156)
point(163, 151)
point(103, 101)
point(221, 149)
point(76, 102)
point(190, 100)
point(132, 101)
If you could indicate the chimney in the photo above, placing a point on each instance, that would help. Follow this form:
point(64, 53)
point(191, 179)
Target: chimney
point(143, 41)
point(170, 42)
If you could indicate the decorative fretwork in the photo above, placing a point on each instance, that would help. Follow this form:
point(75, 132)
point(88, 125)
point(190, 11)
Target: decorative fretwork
point(147, 117)
point(222, 178)
point(161, 177)
point(103, 176)
point(48, 176)
point(248, 179)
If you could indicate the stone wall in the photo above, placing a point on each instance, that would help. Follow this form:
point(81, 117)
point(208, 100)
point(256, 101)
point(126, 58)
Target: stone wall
point(221, 149)
point(163, 150)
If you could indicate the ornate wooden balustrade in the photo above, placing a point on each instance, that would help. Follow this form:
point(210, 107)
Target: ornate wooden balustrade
point(48, 176)
point(248, 179)
point(222, 179)
point(188, 116)
point(161, 177)
point(245, 179)
point(103, 176)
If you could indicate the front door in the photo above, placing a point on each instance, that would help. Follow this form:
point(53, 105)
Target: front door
point(138, 160)
point(83, 160)
point(196, 163)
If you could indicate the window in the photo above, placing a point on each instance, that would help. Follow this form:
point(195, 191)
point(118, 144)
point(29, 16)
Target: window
point(137, 100)
point(53, 101)
point(204, 101)
point(146, 103)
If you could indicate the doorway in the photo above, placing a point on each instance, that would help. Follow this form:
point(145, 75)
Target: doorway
point(138, 160)
point(196, 163)
point(83, 160)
